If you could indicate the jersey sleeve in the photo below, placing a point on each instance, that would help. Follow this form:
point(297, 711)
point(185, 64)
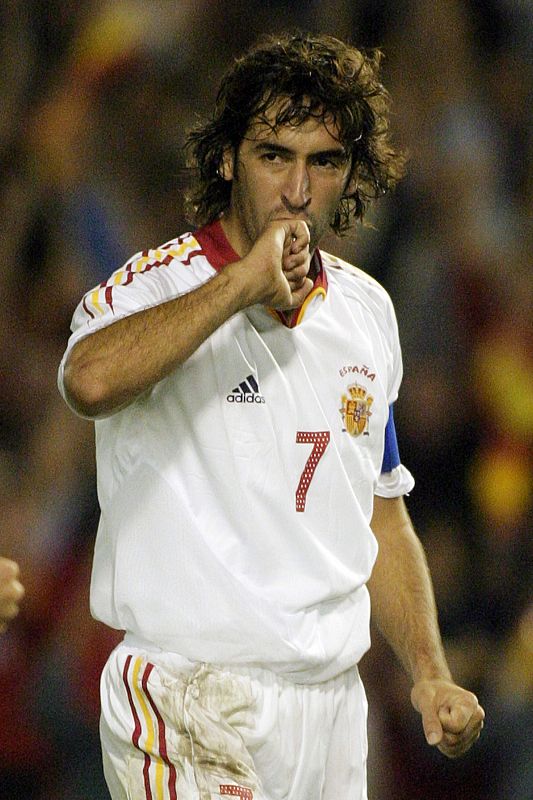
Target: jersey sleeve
point(395, 479)
point(396, 364)
point(148, 279)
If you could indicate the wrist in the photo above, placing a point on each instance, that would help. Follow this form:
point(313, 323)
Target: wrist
point(243, 291)
point(428, 668)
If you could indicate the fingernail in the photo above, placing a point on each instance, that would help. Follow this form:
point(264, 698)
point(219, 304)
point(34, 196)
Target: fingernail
point(433, 738)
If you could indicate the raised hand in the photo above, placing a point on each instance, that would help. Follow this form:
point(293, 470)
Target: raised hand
point(277, 266)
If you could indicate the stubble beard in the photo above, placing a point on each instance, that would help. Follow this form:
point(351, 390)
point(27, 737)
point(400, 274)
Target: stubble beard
point(253, 226)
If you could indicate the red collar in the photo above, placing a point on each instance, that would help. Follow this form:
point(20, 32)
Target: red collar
point(219, 252)
point(215, 245)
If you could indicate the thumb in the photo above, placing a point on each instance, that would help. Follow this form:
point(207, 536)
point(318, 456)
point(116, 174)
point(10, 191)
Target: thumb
point(432, 726)
point(298, 297)
point(424, 701)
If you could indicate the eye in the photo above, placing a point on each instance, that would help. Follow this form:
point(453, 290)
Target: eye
point(326, 162)
point(271, 157)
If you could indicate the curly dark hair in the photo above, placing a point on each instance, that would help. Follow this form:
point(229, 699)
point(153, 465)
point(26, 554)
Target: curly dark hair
point(313, 76)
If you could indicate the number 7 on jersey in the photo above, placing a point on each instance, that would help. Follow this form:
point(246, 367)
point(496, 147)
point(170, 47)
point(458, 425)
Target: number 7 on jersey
point(319, 440)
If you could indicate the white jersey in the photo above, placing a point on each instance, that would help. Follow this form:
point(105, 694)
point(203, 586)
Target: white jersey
point(236, 494)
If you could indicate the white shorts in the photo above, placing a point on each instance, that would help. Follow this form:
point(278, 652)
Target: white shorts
point(176, 730)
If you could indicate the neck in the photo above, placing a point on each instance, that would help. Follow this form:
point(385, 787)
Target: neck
point(233, 236)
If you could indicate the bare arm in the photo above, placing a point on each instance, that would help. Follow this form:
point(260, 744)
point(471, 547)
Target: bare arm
point(111, 367)
point(404, 608)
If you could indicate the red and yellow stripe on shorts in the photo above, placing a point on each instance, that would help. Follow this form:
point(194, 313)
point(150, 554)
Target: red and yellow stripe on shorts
point(149, 732)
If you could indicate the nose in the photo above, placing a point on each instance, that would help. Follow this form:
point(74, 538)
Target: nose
point(296, 194)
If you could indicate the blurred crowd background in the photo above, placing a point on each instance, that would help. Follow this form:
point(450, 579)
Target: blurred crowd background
point(95, 99)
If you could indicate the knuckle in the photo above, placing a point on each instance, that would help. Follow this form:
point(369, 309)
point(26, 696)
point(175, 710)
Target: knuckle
point(10, 611)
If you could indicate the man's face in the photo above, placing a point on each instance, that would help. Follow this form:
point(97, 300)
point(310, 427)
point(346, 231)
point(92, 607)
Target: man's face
point(294, 172)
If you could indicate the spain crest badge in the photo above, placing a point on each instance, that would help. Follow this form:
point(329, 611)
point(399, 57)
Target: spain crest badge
point(355, 410)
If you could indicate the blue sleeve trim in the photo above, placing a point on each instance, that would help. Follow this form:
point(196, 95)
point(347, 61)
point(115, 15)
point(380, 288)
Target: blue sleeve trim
point(391, 455)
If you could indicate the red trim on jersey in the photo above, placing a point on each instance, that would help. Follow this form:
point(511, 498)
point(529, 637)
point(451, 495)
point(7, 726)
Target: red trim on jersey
point(219, 252)
point(130, 274)
point(86, 308)
point(215, 245)
point(137, 729)
point(162, 736)
point(192, 254)
point(290, 318)
point(109, 297)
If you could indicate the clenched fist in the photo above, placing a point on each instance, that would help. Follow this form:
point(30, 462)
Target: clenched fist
point(451, 716)
point(11, 591)
point(276, 268)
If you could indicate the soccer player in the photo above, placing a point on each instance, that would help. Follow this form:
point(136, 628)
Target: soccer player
point(242, 383)
point(11, 591)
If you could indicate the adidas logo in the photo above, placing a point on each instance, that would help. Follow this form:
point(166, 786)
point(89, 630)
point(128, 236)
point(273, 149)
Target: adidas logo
point(246, 392)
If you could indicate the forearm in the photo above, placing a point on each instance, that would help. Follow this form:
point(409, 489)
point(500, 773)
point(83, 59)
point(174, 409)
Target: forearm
point(403, 603)
point(108, 369)
point(404, 608)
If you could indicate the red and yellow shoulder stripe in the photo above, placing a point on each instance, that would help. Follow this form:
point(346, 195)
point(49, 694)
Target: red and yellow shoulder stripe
point(100, 299)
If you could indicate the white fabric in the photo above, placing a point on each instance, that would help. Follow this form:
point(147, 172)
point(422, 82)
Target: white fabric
point(176, 729)
point(398, 481)
point(201, 549)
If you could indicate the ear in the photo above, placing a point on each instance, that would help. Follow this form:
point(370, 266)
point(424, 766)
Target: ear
point(226, 168)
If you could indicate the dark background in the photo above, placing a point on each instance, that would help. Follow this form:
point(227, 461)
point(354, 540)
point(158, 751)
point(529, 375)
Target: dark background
point(95, 98)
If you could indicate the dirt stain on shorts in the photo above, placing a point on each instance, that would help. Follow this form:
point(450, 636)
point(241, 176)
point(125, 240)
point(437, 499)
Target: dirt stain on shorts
point(216, 704)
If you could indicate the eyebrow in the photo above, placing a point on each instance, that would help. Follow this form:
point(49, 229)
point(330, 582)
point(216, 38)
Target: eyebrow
point(337, 153)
